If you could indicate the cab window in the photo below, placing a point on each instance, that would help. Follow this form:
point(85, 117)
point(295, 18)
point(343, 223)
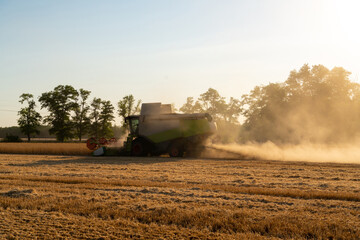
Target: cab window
point(134, 125)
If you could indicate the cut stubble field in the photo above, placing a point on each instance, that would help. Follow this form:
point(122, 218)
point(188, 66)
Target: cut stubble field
point(44, 196)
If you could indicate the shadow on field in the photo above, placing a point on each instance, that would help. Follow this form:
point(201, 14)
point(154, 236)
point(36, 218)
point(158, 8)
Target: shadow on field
point(51, 160)
point(100, 160)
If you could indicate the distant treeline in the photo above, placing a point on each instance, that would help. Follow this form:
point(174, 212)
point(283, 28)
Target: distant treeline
point(314, 104)
point(16, 131)
point(72, 116)
point(44, 132)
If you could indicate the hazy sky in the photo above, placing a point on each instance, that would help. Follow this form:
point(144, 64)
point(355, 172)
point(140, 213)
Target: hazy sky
point(168, 50)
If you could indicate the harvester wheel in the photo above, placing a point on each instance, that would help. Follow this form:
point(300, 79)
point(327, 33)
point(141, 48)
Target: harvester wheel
point(139, 148)
point(176, 150)
point(103, 141)
point(92, 144)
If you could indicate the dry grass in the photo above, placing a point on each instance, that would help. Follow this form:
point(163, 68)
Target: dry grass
point(45, 148)
point(292, 193)
point(164, 198)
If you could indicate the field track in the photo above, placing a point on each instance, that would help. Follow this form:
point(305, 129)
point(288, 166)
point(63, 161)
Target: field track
point(165, 198)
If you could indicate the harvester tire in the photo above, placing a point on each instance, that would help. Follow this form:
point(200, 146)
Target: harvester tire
point(176, 150)
point(139, 148)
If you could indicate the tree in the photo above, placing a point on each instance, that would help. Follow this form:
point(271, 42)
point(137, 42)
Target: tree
point(191, 107)
point(29, 119)
point(106, 117)
point(95, 117)
point(212, 103)
point(81, 118)
point(225, 114)
point(127, 107)
point(60, 103)
point(262, 108)
point(232, 111)
point(314, 104)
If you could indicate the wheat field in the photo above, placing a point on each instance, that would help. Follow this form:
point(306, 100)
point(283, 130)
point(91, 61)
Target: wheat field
point(45, 148)
point(62, 197)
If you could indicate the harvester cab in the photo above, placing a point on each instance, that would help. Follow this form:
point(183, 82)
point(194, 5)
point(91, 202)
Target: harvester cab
point(133, 125)
point(133, 122)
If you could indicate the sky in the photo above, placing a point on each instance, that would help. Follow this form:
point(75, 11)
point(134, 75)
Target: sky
point(167, 50)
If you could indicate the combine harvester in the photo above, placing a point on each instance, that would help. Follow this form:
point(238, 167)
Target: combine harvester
point(158, 130)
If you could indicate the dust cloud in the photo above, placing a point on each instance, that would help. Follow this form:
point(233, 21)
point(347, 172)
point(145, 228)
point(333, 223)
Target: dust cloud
point(337, 153)
point(119, 141)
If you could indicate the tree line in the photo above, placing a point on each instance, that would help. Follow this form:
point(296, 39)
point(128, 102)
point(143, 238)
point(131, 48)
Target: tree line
point(71, 114)
point(314, 104)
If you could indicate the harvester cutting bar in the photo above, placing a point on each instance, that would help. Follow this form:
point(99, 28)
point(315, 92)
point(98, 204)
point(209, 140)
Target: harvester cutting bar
point(93, 143)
